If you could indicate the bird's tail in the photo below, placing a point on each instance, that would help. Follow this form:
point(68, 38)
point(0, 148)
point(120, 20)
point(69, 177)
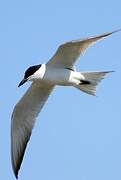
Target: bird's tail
point(91, 81)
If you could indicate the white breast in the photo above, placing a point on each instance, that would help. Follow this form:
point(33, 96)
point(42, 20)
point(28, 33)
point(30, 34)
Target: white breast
point(57, 76)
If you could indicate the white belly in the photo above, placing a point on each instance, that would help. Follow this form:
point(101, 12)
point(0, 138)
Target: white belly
point(63, 76)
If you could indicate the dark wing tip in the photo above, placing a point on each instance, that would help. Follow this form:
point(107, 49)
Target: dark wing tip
point(16, 174)
point(112, 32)
point(16, 163)
point(115, 31)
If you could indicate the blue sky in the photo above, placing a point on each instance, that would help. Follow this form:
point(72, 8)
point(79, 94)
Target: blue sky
point(76, 136)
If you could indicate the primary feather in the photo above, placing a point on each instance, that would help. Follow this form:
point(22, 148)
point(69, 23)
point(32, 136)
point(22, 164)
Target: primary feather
point(23, 120)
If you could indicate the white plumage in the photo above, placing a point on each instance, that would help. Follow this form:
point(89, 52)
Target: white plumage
point(58, 71)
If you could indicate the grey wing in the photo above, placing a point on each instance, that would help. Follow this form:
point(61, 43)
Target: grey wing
point(67, 54)
point(23, 120)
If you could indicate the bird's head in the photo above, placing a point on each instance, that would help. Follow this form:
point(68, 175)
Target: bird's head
point(33, 73)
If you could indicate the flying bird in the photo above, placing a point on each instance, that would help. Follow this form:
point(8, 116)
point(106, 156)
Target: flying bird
point(59, 70)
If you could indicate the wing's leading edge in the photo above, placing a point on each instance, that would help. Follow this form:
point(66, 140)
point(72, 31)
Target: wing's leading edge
point(67, 53)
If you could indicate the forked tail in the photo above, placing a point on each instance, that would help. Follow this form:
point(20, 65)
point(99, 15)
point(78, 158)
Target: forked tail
point(91, 81)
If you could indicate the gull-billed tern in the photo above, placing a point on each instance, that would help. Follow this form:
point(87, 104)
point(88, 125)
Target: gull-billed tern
point(59, 70)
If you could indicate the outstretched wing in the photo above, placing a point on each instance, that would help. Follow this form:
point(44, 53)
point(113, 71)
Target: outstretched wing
point(67, 53)
point(23, 120)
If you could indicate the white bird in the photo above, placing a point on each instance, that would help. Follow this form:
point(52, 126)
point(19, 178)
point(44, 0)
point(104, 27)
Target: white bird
point(59, 70)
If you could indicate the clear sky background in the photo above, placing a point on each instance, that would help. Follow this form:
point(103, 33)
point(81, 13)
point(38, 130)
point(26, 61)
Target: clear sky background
point(77, 136)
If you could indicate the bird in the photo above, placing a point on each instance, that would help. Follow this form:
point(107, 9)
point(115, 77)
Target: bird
point(59, 70)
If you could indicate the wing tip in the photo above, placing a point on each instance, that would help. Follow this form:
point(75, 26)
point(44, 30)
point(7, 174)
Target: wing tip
point(112, 32)
point(16, 174)
point(16, 164)
point(100, 36)
point(115, 31)
point(15, 169)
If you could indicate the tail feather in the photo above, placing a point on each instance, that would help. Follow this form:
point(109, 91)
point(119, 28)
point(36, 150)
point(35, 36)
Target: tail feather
point(93, 78)
point(89, 89)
